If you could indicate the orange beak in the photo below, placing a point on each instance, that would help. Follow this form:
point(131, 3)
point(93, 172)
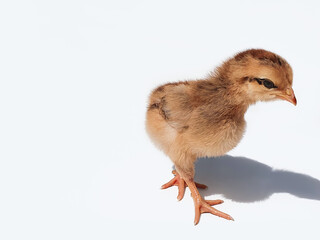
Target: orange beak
point(288, 95)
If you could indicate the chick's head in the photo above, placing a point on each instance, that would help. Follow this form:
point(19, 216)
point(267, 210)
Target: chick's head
point(262, 75)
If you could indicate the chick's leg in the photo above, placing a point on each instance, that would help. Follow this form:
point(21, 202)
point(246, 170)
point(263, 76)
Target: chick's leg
point(178, 181)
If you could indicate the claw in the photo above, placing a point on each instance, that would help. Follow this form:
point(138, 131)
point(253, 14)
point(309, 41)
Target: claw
point(201, 205)
point(176, 181)
point(201, 186)
point(204, 206)
point(214, 202)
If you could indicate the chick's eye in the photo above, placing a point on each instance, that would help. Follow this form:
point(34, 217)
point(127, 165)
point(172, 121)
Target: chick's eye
point(268, 84)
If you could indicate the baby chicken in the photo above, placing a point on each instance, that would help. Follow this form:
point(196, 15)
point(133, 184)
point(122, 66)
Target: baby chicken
point(205, 117)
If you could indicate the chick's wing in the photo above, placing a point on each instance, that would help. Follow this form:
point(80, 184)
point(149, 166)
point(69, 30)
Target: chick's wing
point(176, 107)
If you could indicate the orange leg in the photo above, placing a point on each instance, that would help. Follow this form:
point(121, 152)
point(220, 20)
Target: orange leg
point(204, 206)
point(178, 181)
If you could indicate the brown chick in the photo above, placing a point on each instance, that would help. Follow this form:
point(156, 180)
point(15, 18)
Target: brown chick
point(205, 117)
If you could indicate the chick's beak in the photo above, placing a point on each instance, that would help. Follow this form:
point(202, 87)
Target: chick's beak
point(288, 95)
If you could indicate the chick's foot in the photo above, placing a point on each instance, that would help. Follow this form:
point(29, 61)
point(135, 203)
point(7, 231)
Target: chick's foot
point(178, 181)
point(204, 206)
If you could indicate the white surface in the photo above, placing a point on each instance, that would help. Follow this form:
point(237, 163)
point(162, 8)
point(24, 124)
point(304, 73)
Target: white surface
point(75, 161)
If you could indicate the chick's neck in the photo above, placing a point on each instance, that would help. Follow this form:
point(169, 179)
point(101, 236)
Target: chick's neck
point(222, 97)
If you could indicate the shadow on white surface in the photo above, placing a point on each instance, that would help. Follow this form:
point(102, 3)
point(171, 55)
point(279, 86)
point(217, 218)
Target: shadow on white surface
point(245, 180)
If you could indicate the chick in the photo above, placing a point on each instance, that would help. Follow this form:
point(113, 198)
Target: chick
point(199, 118)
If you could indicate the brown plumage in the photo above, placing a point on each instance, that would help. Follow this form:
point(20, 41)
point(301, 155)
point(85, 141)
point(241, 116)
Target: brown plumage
point(205, 117)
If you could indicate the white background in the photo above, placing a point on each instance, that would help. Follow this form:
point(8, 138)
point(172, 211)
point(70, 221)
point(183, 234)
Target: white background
point(75, 161)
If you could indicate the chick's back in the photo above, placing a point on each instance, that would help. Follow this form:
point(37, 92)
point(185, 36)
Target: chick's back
point(169, 110)
point(184, 117)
